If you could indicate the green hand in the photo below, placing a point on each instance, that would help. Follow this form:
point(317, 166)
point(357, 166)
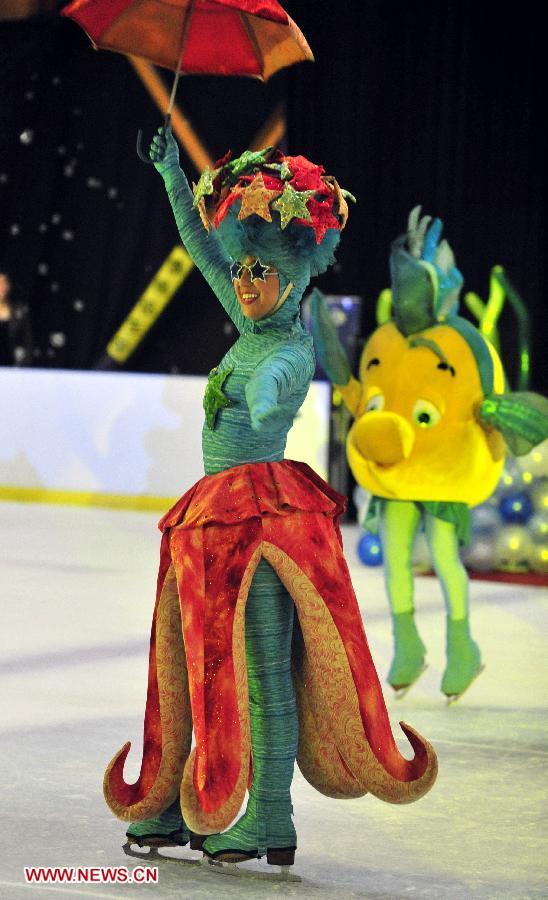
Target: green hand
point(164, 150)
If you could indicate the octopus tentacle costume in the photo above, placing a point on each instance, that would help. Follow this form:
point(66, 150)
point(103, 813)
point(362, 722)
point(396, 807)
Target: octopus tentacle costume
point(252, 543)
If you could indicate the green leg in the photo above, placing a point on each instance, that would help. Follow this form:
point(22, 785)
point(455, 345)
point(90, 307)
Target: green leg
point(463, 654)
point(169, 825)
point(267, 821)
point(399, 523)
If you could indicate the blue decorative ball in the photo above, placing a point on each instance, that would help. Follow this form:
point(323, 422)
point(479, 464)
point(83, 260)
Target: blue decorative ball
point(516, 508)
point(370, 550)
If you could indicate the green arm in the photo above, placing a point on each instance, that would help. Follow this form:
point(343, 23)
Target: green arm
point(278, 387)
point(329, 350)
point(205, 249)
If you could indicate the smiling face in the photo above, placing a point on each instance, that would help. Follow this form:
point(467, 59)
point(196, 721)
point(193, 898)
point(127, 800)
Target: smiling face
point(257, 287)
point(416, 435)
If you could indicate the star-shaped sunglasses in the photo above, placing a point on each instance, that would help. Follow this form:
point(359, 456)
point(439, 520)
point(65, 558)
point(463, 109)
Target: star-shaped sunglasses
point(257, 270)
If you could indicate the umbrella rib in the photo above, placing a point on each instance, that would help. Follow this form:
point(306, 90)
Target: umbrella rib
point(254, 42)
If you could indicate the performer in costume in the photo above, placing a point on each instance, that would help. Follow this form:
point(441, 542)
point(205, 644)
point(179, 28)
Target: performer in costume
point(275, 663)
point(431, 418)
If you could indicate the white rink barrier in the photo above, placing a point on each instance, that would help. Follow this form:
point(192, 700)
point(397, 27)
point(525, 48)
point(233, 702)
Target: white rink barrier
point(133, 439)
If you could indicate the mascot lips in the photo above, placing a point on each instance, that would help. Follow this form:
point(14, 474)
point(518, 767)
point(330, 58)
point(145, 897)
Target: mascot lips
point(383, 438)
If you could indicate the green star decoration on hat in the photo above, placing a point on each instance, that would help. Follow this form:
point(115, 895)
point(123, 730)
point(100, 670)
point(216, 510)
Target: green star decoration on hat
point(292, 205)
point(249, 160)
point(285, 171)
point(282, 168)
point(204, 188)
point(214, 399)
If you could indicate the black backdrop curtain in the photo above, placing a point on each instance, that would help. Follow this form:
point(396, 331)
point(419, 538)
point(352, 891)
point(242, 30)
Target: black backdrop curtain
point(438, 103)
point(432, 103)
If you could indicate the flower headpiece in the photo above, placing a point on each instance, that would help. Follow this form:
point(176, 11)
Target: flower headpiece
point(283, 209)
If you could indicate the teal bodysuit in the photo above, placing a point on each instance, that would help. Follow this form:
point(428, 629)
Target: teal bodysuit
point(250, 402)
point(262, 366)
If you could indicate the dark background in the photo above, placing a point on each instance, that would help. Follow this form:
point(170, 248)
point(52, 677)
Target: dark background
point(431, 102)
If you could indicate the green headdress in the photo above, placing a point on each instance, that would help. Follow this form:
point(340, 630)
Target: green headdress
point(425, 281)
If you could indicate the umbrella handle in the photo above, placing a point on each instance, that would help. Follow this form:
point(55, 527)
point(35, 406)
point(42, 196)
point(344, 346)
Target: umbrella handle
point(144, 157)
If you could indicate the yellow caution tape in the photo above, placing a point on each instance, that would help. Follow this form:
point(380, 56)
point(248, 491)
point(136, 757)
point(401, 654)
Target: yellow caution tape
point(150, 304)
point(136, 502)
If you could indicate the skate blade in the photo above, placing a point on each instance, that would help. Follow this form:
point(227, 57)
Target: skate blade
point(153, 855)
point(453, 698)
point(233, 869)
point(399, 693)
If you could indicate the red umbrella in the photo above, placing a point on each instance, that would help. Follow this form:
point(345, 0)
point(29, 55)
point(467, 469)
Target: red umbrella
point(207, 37)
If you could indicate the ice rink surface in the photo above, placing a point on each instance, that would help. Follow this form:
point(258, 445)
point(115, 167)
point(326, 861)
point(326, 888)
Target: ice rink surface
point(77, 593)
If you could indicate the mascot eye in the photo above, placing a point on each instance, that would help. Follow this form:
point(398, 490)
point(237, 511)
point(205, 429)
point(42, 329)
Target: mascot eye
point(375, 403)
point(425, 414)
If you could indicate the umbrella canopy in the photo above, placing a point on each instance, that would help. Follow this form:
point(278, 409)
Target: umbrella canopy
point(208, 37)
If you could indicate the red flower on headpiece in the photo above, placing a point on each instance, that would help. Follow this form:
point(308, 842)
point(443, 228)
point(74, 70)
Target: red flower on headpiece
point(306, 175)
point(225, 205)
point(322, 218)
point(223, 160)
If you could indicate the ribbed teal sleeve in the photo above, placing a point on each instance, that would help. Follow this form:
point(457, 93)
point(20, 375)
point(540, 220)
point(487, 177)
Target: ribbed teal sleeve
point(277, 388)
point(205, 249)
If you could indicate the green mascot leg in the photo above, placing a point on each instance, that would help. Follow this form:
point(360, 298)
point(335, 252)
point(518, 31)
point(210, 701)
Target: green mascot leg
point(166, 830)
point(463, 654)
point(267, 824)
point(399, 524)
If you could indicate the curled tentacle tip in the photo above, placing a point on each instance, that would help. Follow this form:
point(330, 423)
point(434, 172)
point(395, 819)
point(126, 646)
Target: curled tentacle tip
point(426, 762)
point(419, 744)
point(407, 729)
point(116, 765)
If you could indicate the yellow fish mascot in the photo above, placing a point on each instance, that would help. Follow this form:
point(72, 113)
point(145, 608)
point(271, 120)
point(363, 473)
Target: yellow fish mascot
point(432, 417)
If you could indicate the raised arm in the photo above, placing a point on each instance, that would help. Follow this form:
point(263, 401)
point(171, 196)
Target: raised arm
point(204, 248)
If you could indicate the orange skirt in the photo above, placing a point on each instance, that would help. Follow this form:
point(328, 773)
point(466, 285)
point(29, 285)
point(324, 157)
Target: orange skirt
point(213, 539)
